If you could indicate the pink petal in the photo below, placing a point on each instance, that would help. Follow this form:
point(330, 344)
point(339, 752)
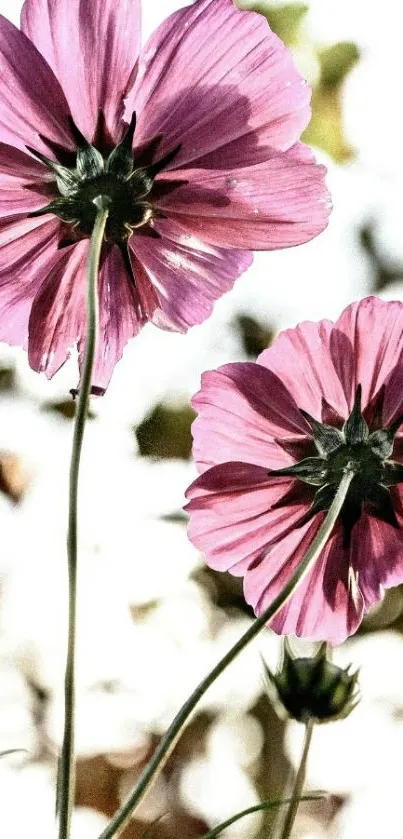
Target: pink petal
point(378, 563)
point(327, 605)
point(32, 102)
point(25, 185)
point(93, 47)
point(301, 358)
point(216, 79)
point(371, 361)
point(276, 204)
point(251, 525)
point(121, 317)
point(233, 519)
point(243, 409)
point(188, 275)
point(57, 317)
point(392, 401)
point(28, 246)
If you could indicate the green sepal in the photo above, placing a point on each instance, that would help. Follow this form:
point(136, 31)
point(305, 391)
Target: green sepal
point(67, 209)
point(67, 179)
point(327, 438)
point(355, 429)
point(381, 442)
point(121, 158)
point(90, 163)
point(311, 470)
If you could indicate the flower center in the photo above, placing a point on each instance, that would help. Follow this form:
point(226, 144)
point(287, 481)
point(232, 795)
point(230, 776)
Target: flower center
point(126, 188)
point(352, 447)
point(366, 464)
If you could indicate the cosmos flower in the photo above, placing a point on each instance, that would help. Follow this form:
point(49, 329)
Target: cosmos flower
point(194, 140)
point(272, 440)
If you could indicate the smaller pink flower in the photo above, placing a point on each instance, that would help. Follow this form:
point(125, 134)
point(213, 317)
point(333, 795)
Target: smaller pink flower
point(272, 440)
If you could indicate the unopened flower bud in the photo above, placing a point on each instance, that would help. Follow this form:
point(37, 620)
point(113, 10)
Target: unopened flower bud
point(312, 688)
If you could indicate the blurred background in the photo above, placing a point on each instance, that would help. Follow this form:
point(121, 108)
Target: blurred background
point(152, 618)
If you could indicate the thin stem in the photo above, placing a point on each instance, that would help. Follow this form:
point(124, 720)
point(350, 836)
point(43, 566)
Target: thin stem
point(66, 773)
point(299, 781)
point(167, 743)
point(257, 808)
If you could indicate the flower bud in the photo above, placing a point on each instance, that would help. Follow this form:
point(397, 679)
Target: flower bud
point(312, 688)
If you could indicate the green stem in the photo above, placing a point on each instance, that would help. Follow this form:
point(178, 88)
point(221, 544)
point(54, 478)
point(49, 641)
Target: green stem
point(167, 743)
point(257, 808)
point(66, 773)
point(298, 784)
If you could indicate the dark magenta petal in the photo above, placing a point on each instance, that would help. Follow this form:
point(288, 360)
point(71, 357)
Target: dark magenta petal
point(378, 556)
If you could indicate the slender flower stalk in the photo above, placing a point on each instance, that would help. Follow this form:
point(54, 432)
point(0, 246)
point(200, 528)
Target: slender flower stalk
point(298, 784)
point(264, 805)
point(166, 745)
point(66, 779)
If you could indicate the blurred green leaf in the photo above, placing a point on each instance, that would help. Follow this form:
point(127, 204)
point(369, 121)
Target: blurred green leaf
point(325, 129)
point(255, 336)
point(66, 408)
point(384, 272)
point(7, 378)
point(166, 433)
point(336, 62)
point(285, 20)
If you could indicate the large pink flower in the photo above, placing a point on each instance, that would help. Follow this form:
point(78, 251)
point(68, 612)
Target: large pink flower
point(211, 170)
point(324, 394)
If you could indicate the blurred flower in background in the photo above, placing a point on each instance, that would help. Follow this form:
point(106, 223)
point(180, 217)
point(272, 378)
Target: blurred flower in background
point(153, 619)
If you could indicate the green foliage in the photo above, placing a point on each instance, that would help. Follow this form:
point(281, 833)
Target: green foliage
point(66, 408)
point(166, 433)
point(326, 127)
point(255, 336)
point(285, 20)
point(7, 378)
point(336, 62)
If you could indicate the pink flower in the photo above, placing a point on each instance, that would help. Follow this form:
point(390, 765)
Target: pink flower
point(271, 441)
point(211, 169)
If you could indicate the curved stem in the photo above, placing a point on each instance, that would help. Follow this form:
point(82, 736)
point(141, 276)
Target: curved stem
point(166, 745)
point(257, 808)
point(298, 784)
point(66, 779)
